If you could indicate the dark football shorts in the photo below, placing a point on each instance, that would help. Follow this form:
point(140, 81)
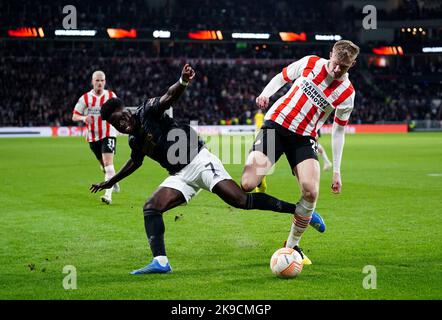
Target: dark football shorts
point(274, 140)
point(106, 145)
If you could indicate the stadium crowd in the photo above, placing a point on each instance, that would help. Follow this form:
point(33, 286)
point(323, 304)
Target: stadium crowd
point(42, 80)
point(176, 15)
point(43, 89)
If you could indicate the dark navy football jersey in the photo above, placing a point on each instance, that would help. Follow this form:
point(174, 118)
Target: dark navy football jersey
point(171, 143)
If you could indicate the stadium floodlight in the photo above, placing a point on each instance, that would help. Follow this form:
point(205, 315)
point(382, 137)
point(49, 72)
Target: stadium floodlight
point(389, 51)
point(206, 35)
point(121, 33)
point(26, 33)
point(328, 37)
point(431, 49)
point(248, 35)
point(78, 33)
point(163, 34)
point(292, 36)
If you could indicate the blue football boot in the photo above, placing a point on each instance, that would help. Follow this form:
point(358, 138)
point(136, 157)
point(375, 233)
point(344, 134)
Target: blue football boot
point(317, 222)
point(153, 267)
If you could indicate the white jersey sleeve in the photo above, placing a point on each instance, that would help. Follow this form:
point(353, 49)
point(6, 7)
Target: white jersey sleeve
point(294, 70)
point(342, 116)
point(80, 107)
point(343, 111)
point(288, 74)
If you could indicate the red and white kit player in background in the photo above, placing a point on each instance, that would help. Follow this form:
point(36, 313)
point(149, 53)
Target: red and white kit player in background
point(320, 87)
point(101, 135)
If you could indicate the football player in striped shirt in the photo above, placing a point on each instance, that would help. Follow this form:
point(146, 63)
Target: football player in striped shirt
point(319, 88)
point(101, 135)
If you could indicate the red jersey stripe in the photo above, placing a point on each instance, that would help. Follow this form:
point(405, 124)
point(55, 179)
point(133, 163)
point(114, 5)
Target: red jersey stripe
point(341, 122)
point(92, 129)
point(310, 65)
point(102, 100)
point(110, 94)
point(321, 76)
point(100, 122)
point(86, 99)
point(100, 128)
point(344, 95)
point(285, 76)
point(314, 133)
point(296, 109)
point(283, 104)
point(331, 87)
point(76, 112)
point(308, 117)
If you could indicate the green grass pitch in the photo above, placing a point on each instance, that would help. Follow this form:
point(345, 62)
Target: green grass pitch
point(389, 216)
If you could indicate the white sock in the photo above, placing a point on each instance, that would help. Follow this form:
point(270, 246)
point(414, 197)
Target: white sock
point(301, 220)
point(110, 172)
point(162, 260)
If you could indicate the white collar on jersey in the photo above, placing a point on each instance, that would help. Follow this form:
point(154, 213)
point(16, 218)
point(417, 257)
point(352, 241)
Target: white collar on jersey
point(93, 93)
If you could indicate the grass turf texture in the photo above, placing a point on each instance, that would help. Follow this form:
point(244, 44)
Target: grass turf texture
point(388, 216)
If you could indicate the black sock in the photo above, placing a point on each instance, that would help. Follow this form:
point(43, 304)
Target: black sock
point(154, 225)
point(263, 201)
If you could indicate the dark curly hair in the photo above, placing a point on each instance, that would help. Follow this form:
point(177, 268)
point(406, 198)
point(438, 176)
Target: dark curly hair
point(110, 106)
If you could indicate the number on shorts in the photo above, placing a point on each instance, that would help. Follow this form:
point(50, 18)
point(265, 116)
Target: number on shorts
point(212, 167)
point(314, 145)
point(111, 144)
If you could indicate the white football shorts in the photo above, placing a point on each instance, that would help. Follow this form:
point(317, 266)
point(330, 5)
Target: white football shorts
point(203, 172)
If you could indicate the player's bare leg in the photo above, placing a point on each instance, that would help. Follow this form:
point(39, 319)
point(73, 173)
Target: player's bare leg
point(162, 200)
point(308, 174)
point(256, 167)
point(109, 170)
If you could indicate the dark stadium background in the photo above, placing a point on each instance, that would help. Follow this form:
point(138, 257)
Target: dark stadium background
point(43, 75)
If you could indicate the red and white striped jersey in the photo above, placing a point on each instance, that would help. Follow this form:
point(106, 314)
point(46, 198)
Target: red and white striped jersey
point(90, 104)
point(313, 96)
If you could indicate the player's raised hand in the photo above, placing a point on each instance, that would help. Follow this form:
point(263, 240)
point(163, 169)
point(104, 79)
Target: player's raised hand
point(188, 73)
point(100, 186)
point(262, 102)
point(336, 183)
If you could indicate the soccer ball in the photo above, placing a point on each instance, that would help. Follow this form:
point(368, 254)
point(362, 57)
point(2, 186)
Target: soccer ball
point(286, 263)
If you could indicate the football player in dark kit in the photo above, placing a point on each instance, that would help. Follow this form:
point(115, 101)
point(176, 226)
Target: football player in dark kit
point(154, 134)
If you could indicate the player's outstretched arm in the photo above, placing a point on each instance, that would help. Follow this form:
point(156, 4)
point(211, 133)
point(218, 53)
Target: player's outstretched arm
point(277, 82)
point(176, 90)
point(125, 171)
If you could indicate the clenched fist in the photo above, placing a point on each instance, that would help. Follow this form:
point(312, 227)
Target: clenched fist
point(262, 102)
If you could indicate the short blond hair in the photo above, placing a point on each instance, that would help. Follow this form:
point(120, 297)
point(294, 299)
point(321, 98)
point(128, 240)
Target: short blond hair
point(346, 49)
point(98, 73)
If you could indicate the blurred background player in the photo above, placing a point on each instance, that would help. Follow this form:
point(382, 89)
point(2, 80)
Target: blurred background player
point(320, 87)
point(101, 135)
point(327, 165)
point(259, 121)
